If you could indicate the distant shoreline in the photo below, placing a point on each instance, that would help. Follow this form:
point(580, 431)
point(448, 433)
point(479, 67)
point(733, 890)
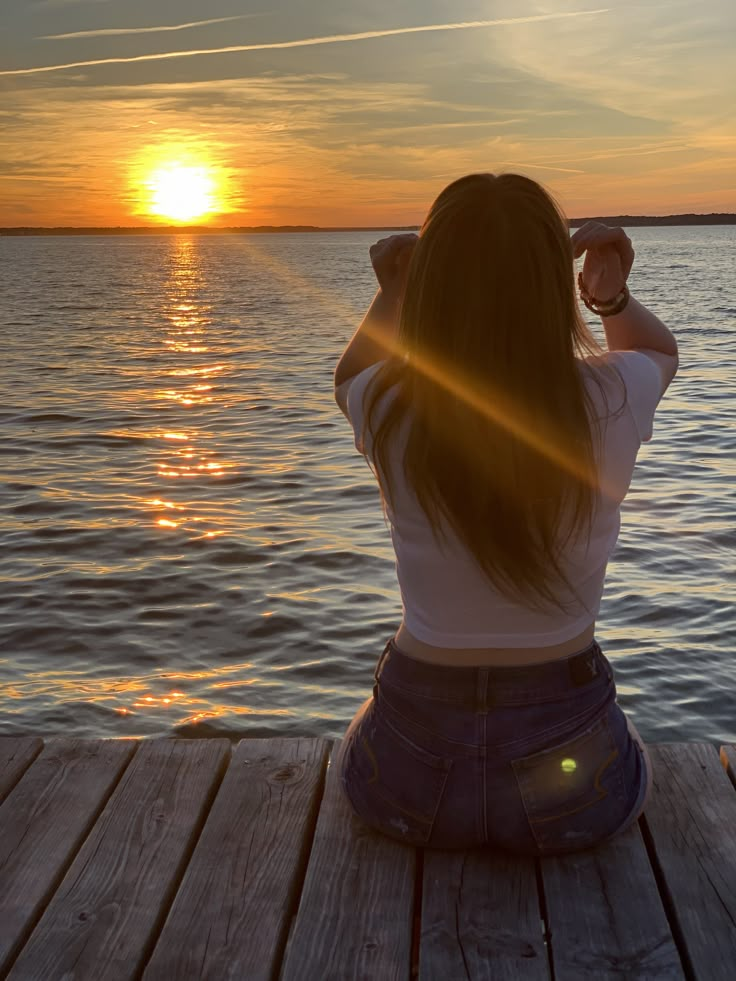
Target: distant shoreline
point(631, 221)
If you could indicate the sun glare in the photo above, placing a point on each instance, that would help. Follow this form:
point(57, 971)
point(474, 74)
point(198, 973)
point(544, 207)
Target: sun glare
point(182, 193)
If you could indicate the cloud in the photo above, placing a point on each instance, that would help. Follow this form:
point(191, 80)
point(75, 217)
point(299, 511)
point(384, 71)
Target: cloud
point(312, 41)
point(44, 178)
point(532, 166)
point(67, 3)
point(144, 30)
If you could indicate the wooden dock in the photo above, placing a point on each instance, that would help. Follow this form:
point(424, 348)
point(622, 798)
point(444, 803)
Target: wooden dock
point(185, 859)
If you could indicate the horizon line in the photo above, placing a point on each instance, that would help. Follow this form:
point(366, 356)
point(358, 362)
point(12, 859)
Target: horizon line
point(213, 229)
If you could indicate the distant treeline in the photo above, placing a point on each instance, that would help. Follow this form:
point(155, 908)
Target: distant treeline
point(634, 220)
point(625, 220)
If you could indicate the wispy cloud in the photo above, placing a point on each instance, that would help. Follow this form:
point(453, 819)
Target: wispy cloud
point(66, 3)
point(641, 151)
point(464, 124)
point(533, 166)
point(101, 32)
point(309, 42)
point(44, 178)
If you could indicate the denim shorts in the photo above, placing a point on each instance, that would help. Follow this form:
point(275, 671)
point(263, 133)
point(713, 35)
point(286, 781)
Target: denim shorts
point(536, 760)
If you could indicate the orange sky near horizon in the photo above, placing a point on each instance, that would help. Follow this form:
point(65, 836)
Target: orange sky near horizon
point(358, 116)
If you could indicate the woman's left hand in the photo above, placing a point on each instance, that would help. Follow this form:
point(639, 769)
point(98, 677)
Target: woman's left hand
point(390, 260)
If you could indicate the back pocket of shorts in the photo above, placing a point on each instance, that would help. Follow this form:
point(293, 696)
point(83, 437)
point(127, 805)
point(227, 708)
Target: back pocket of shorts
point(395, 786)
point(574, 793)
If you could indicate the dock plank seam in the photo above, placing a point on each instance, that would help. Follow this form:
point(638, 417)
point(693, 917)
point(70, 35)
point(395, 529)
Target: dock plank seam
point(668, 903)
point(354, 917)
point(304, 859)
point(304, 856)
point(10, 785)
point(168, 899)
point(458, 935)
point(544, 917)
point(416, 922)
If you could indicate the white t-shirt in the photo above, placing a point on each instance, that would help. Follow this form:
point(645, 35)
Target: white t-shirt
point(447, 600)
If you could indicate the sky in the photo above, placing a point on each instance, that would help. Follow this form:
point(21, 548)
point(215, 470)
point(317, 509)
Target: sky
point(350, 112)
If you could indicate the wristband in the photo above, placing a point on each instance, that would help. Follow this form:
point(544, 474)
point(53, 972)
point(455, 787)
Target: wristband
point(603, 308)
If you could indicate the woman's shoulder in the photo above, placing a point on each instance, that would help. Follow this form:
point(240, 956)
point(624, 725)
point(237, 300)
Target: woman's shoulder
point(635, 376)
point(360, 392)
point(626, 362)
point(632, 369)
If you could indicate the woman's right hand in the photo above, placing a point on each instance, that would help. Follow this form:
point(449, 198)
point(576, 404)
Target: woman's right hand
point(609, 256)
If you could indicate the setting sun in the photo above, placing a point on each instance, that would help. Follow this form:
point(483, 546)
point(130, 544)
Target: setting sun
point(182, 193)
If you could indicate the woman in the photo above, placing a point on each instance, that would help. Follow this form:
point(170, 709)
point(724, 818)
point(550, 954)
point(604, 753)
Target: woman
point(503, 439)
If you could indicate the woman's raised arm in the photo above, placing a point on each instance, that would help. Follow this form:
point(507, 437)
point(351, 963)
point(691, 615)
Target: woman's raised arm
point(609, 256)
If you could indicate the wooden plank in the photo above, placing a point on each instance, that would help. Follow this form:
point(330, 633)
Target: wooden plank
point(43, 822)
point(690, 819)
point(481, 918)
point(605, 915)
point(728, 759)
point(104, 918)
point(16, 755)
point(232, 912)
point(354, 918)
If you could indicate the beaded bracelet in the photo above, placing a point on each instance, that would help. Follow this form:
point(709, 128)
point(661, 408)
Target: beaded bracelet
point(603, 308)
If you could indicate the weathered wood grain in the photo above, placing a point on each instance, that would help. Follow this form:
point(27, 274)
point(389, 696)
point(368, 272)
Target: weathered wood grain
point(116, 879)
point(691, 819)
point(481, 918)
point(232, 912)
point(16, 755)
point(728, 759)
point(354, 918)
point(43, 822)
point(605, 915)
point(105, 915)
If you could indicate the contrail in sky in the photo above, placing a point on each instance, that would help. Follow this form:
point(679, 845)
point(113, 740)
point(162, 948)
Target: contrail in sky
point(308, 42)
point(562, 170)
point(143, 30)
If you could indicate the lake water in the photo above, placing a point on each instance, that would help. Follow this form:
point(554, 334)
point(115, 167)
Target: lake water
point(191, 544)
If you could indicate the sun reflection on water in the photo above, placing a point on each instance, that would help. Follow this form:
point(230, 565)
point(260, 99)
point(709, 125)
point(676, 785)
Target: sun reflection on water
point(188, 452)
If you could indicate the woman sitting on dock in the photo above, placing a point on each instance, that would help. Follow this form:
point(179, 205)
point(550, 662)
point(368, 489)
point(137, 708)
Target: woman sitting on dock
point(503, 439)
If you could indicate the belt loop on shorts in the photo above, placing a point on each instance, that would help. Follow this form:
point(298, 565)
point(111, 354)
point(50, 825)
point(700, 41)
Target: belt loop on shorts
point(377, 670)
point(585, 666)
point(481, 692)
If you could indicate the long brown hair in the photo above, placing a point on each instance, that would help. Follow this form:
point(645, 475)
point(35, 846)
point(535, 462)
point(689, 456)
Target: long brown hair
point(501, 441)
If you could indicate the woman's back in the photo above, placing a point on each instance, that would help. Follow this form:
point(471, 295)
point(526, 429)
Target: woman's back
point(447, 600)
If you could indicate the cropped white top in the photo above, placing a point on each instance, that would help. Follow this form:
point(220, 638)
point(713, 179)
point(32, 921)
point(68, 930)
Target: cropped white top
point(447, 600)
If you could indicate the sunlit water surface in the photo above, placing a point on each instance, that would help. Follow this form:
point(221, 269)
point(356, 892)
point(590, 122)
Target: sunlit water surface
point(191, 544)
